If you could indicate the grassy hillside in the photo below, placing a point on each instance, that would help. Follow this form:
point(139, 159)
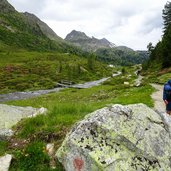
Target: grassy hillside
point(16, 30)
point(24, 30)
point(21, 70)
point(29, 60)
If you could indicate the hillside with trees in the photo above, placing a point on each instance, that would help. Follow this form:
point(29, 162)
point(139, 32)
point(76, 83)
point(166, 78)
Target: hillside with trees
point(160, 55)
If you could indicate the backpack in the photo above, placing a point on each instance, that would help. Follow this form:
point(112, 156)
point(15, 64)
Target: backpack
point(168, 94)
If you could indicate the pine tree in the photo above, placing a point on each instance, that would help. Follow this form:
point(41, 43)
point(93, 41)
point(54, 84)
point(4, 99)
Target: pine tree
point(150, 48)
point(167, 15)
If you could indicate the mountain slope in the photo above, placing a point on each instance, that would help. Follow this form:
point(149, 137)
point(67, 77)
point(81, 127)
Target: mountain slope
point(80, 39)
point(6, 7)
point(46, 30)
point(33, 57)
point(24, 30)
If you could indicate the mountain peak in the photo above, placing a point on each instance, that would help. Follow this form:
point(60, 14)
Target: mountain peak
point(76, 35)
point(6, 7)
point(80, 39)
point(105, 41)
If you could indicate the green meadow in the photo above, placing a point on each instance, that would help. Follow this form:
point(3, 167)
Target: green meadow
point(65, 108)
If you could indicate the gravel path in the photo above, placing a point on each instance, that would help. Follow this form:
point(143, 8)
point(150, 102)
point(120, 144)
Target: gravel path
point(157, 96)
point(159, 106)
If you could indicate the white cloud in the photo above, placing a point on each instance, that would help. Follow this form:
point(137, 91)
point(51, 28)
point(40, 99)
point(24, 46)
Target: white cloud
point(133, 23)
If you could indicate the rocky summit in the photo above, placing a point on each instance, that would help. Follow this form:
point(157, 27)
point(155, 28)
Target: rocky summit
point(116, 138)
point(80, 39)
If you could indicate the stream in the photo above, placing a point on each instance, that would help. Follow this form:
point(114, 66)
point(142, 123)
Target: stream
point(30, 94)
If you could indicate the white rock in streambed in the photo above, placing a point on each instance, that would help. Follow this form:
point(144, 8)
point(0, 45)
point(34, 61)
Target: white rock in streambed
point(131, 137)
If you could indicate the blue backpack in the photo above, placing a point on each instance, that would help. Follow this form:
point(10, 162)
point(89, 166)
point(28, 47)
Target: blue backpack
point(168, 94)
point(167, 89)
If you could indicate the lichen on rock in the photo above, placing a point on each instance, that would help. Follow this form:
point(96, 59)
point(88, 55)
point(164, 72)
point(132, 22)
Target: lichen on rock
point(117, 138)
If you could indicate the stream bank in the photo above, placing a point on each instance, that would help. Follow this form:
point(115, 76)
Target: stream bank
point(30, 94)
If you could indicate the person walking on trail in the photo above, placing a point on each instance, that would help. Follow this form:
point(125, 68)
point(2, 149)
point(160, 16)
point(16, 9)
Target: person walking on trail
point(167, 96)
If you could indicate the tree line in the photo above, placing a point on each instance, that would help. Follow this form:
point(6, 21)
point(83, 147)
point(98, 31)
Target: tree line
point(161, 53)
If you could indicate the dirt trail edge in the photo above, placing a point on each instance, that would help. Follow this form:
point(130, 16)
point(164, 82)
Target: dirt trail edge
point(159, 106)
point(157, 96)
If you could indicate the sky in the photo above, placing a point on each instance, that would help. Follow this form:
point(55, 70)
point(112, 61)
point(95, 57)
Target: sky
point(132, 23)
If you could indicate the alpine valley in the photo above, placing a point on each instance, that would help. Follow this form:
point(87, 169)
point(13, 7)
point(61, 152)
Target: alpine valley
point(80, 103)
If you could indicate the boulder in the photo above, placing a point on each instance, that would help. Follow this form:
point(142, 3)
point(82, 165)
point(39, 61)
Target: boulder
point(10, 115)
point(116, 138)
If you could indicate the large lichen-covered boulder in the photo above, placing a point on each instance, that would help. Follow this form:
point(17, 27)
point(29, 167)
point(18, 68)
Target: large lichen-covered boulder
point(118, 138)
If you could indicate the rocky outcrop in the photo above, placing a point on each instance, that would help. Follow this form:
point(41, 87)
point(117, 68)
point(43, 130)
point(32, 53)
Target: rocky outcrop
point(10, 115)
point(5, 7)
point(118, 137)
point(46, 30)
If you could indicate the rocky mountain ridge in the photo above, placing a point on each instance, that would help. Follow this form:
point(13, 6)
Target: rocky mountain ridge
point(34, 20)
point(6, 7)
point(80, 39)
point(106, 51)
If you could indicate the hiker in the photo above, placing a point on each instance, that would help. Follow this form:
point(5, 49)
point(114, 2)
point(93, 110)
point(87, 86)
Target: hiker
point(167, 96)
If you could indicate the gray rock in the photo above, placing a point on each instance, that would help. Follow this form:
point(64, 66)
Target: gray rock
point(5, 133)
point(131, 138)
point(10, 115)
point(5, 162)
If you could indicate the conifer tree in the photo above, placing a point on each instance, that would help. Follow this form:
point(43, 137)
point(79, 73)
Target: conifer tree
point(167, 15)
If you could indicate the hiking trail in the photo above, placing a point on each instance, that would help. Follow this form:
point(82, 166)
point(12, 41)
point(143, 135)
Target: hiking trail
point(157, 96)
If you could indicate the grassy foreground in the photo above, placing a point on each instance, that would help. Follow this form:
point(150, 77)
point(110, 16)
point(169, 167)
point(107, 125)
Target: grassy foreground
point(65, 108)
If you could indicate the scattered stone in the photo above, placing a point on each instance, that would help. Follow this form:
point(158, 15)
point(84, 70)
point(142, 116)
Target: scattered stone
point(126, 83)
point(138, 81)
point(117, 137)
point(5, 133)
point(51, 152)
point(111, 66)
point(50, 149)
point(5, 162)
point(40, 111)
